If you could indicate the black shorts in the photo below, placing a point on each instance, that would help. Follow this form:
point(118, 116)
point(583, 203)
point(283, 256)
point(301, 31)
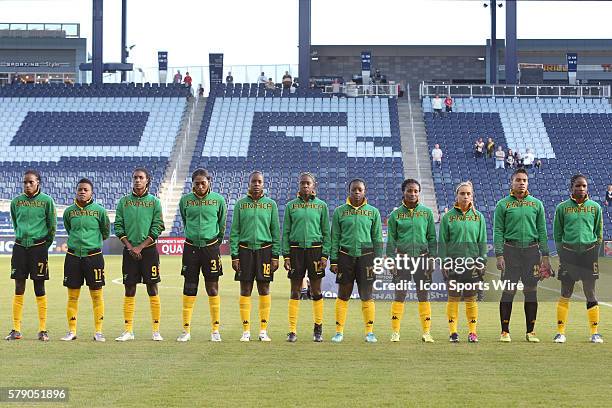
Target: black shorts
point(255, 265)
point(206, 259)
point(522, 264)
point(418, 275)
point(471, 275)
point(355, 268)
point(305, 260)
point(32, 262)
point(145, 270)
point(575, 266)
point(89, 269)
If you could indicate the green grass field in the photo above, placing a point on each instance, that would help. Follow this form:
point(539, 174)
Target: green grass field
point(200, 373)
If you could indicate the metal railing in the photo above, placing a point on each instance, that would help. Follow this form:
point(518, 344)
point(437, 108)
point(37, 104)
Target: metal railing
point(71, 30)
point(361, 90)
point(554, 91)
point(414, 144)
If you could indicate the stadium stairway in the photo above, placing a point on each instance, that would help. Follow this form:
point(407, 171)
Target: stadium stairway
point(416, 162)
point(177, 171)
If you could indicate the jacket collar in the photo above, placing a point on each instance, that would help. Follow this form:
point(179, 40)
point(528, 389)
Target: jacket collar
point(310, 197)
point(143, 194)
point(408, 208)
point(348, 202)
point(34, 195)
point(574, 199)
point(457, 207)
point(86, 204)
point(200, 197)
point(512, 194)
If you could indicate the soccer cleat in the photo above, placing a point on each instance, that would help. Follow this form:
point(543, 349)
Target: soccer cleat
point(317, 334)
point(338, 337)
point(246, 336)
point(98, 336)
point(505, 337)
point(125, 336)
point(215, 336)
point(263, 336)
point(395, 337)
point(291, 337)
point(427, 338)
point(454, 338)
point(13, 335)
point(596, 338)
point(69, 336)
point(43, 335)
point(559, 338)
point(531, 338)
point(472, 338)
point(371, 338)
point(157, 337)
point(185, 336)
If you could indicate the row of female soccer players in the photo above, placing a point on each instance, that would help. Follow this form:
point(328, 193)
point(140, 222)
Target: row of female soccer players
point(352, 244)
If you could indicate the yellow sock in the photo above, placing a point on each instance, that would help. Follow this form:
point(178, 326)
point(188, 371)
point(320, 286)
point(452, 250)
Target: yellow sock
point(562, 314)
point(341, 309)
point(425, 316)
point(265, 302)
point(593, 314)
point(17, 312)
point(188, 302)
point(41, 302)
point(72, 308)
point(214, 304)
point(397, 313)
point(294, 307)
point(368, 309)
point(155, 312)
point(97, 299)
point(245, 312)
point(471, 312)
point(129, 303)
point(317, 311)
point(452, 311)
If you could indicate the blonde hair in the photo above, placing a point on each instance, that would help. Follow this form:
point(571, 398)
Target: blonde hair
point(464, 184)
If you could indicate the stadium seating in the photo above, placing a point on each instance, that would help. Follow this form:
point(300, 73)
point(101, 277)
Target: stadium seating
point(569, 135)
point(246, 128)
point(6, 225)
point(99, 132)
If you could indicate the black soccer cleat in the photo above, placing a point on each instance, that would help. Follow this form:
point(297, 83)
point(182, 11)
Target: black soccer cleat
point(291, 337)
point(317, 335)
point(13, 335)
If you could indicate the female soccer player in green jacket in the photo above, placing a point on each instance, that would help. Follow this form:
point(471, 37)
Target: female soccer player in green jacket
point(463, 239)
point(34, 220)
point(255, 247)
point(412, 234)
point(356, 240)
point(578, 233)
point(306, 245)
point(138, 223)
point(203, 213)
point(87, 225)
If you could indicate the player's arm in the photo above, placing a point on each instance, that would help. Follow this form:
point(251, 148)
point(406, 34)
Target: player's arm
point(558, 225)
point(432, 244)
point(183, 211)
point(222, 219)
point(541, 227)
point(482, 239)
point(326, 235)
point(275, 233)
point(598, 225)
point(391, 235)
point(51, 222)
point(235, 233)
point(376, 234)
point(443, 237)
point(120, 225)
point(499, 228)
point(14, 214)
point(157, 224)
point(66, 219)
point(335, 240)
point(286, 231)
point(104, 224)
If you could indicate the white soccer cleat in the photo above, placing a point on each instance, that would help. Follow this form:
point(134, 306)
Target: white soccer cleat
point(157, 337)
point(125, 336)
point(215, 336)
point(185, 336)
point(69, 336)
point(395, 337)
point(98, 336)
point(596, 338)
point(559, 338)
point(246, 336)
point(263, 336)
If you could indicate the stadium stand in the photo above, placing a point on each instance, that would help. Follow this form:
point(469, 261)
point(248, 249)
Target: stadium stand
point(247, 128)
point(99, 132)
point(568, 135)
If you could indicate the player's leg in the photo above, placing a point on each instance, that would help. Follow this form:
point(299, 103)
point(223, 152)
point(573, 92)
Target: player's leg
point(212, 269)
point(155, 305)
point(130, 269)
point(567, 289)
point(246, 277)
point(296, 275)
point(452, 312)
point(530, 279)
point(317, 308)
point(73, 280)
point(401, 280)
point(365, 282)
point(471, 313)
point(588, 286)
point(265, 303)
point(95, 279)
point(345, 278)
point(421, 278)
point(39, 273)
point(41, 303)
point(190, 270)
point(510, 276)
point(149, 270)
point(19, 273)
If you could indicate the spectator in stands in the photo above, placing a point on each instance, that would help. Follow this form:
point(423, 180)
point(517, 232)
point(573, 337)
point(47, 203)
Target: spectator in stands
point(518, 159)
point(510, 159)
point(490, 147)
point(287, 80)
point(609, 196)
point(270, 85)
point(262, 78)
point(200, 91)
point(500, 158)
point(336, 86)
point(436, 105)
point(377, 76)
point(448, 102)
point(479, 147)
point(187, 80)
point(229, 79)
point(178, 78)
point(528, 159)
point(436, 155)
point(538, 165)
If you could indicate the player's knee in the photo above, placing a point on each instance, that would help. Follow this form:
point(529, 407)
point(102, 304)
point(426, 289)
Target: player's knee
point(591, 304)
point(400, 295)
point(531, 296)
point(39, 288)
point(507, 297)
point(567, 290)
point(20, 286)
point(190, 289)
point(152, 289)
point(422, 295)
point(130, 290)
point(212, 289)
point(317, 296)
point(263, 288)
point(295, 294)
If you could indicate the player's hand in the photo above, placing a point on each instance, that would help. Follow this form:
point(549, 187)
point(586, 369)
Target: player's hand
point(501, 263)
point(334, 269)
point(136, 252)
point(274, 266)
point(287, 264)
point(236, 265)
point(481, 271)
point(545, 262)
point(322, 264)
point(545, 269)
